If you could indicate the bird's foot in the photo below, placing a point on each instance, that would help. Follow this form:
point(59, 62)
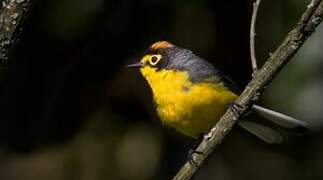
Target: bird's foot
point(191, 152)
point(190, 157)
point(236, 109)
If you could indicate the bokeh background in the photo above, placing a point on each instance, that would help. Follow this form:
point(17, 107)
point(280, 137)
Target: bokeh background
point(71, 110)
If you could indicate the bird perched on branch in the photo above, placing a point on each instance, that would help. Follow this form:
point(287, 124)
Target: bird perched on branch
point(191, 94)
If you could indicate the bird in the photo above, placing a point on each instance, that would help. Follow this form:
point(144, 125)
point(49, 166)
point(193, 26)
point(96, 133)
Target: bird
point(191, 94)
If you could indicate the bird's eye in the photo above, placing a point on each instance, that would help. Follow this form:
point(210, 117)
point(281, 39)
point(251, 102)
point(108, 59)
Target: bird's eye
point(154, 59)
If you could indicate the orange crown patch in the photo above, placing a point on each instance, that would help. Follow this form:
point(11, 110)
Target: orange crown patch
point(161, 45)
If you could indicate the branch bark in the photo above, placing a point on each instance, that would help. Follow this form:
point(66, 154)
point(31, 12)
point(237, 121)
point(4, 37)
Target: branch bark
point(252, 36)
point(11, 13)
point(310, 19)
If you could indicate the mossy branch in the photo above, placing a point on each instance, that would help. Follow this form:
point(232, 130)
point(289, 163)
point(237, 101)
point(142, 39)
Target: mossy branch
point(11, 13)
point(310, 19)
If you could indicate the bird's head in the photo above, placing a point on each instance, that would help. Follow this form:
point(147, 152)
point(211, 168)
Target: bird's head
point(163, 55)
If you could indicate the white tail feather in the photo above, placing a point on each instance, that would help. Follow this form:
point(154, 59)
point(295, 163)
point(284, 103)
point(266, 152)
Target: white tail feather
point(279, 118)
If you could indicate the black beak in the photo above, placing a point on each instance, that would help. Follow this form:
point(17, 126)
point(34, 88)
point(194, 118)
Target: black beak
point(138, 64)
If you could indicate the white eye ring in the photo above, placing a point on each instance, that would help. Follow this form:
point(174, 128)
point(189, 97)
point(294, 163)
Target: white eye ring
point(155, 59)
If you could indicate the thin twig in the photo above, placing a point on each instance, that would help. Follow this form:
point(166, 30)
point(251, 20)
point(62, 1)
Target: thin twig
point(311, 18)
point(11, 13)
point(252, 36)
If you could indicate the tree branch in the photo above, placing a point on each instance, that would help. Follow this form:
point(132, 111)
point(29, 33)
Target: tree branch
point(252, 36)
point(11, 13)
point(310, 19)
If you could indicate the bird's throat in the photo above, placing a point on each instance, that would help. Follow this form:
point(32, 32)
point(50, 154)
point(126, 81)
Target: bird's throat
point(166, 81)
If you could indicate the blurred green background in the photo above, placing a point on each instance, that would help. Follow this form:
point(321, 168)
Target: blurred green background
point(71, 110)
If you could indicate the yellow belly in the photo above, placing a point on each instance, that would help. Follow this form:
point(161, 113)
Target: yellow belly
point(190, 108)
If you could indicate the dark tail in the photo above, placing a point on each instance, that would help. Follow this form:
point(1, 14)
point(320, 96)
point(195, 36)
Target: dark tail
point(269, 134)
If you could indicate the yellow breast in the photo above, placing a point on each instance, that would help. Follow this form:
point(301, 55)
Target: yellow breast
point(190, 108)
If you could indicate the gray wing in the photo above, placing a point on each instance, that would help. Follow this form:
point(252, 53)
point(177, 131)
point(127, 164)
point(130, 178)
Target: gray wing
point(199, 69)
point(205, 71)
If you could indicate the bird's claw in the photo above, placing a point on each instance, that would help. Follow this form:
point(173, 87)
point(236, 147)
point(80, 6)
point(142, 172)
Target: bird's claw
point(190, 158)
point(235, 108)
